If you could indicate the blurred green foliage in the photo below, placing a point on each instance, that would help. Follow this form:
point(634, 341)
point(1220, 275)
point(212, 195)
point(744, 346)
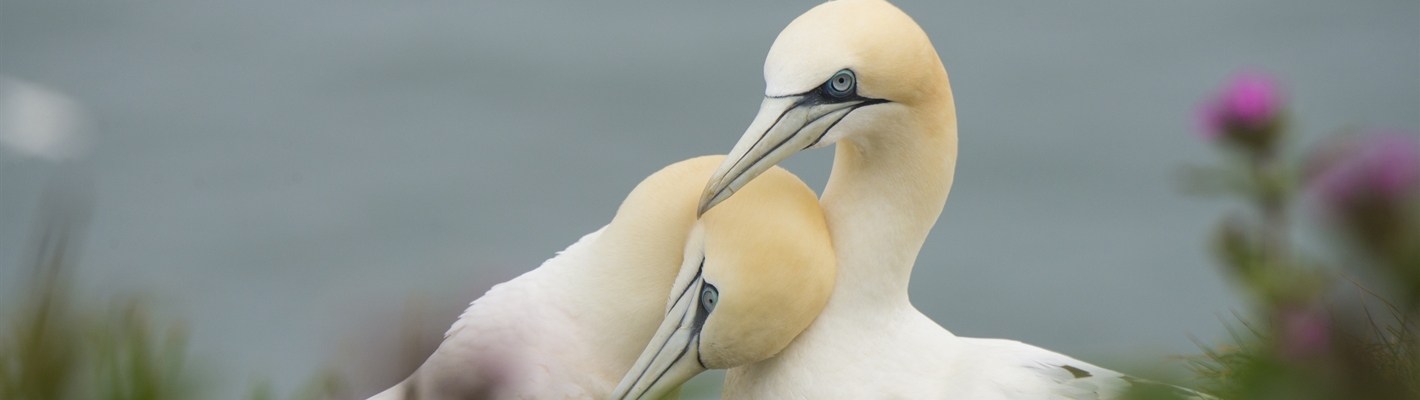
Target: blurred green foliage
point(55, 346)
point(131, 362)
point(38, 357)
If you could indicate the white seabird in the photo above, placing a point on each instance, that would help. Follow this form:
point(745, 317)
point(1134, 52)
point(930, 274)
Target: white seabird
point(571, 328)
point(863, 75)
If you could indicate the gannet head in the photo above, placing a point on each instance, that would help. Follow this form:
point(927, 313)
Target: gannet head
point(843, 70)
point(757, 270)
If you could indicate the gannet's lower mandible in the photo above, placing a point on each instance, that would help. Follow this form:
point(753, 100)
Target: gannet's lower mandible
point(862, 75)
point(573, 327)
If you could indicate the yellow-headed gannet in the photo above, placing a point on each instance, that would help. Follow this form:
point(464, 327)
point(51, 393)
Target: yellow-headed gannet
point(863, 75)
point(571, 328)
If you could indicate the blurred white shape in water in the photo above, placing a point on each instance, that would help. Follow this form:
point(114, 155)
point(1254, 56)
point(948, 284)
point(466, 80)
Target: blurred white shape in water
point(36, 121)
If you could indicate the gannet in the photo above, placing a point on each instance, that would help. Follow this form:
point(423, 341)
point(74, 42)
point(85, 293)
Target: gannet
point(863, 75)
point(571, 328)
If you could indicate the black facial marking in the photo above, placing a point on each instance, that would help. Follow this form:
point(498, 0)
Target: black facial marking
point(828, 94)
point(820, 96)
point(1078, 373)
point(700, 316)
point(825, 93)
point(697, 324)
point(692, 279)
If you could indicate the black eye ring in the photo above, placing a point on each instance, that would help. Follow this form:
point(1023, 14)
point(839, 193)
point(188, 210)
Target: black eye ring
point(841, 84)
point(709, 296)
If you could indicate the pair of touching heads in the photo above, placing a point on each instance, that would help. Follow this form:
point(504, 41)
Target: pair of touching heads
point(754, 273)
point(845, 70)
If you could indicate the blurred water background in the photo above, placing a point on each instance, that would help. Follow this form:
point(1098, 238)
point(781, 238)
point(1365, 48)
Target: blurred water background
point(291, 178)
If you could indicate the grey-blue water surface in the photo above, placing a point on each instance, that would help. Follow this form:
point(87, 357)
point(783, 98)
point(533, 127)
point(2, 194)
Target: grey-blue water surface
point(280, 173)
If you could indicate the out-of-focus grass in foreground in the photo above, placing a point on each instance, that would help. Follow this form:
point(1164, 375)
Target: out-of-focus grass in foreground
point(57, 345)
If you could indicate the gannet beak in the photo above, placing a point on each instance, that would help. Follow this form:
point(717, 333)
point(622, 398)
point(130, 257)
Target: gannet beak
point(673, 355)
point(785, 125)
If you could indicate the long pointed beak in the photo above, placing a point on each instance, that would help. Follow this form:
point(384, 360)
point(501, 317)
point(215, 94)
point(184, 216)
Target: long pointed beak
point(784, 126)
point(673, 355)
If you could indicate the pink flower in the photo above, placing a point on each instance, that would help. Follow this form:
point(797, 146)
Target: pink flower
point(1245, 112)
point(1381, 167)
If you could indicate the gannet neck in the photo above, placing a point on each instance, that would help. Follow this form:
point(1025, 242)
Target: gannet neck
point(887, 188)
point(608, 312)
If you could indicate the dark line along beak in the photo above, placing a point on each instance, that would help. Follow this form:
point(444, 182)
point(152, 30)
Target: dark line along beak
point(784, 126)
point(673, 355)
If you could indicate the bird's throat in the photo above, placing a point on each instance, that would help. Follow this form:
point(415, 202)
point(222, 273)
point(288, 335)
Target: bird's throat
point(882, 199)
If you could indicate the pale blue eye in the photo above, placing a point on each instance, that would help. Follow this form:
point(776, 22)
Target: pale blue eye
point(841, 84)
point(708, 297)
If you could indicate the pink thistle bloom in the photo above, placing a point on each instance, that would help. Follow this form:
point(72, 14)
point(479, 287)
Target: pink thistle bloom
point(1248, 105)
point(1252, 99)
point(1377, 166)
